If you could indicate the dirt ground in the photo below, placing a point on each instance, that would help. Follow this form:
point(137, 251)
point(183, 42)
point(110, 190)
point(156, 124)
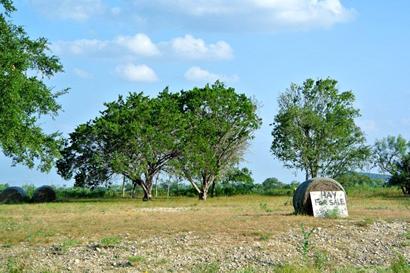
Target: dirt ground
point(232, 234)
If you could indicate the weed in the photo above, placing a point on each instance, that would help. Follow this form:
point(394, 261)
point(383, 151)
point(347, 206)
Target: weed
point(287, 268)
point(400, 265)
point(320, 260)
point(69, 243)
point(110, 241)
point(264, 237)
point(264, 207)
point(135, 260)
point(14, 266)
point(365, 222)
point(206, 268)
point(332, 214)
point(247, 270)
point(305, 244)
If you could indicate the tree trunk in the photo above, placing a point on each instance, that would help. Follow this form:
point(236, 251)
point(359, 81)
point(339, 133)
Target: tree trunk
point(206, 183)
point(405, 190)
point(203, 195)
point(147, 196)
point(134, 187)
point(213, 190)
point(147, 187)
point(123, 187)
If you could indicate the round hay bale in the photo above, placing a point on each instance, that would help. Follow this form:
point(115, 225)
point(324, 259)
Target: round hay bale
point(44, 194)
point(301, 197)
point(13, 195)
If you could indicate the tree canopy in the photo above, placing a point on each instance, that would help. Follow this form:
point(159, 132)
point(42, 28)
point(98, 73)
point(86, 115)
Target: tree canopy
point(221, 122)
point(392, 155)
point(197, 134)
point(388, 152)
point(401, 176)
point(315, 131)
point(25, 98)
point(134, 137)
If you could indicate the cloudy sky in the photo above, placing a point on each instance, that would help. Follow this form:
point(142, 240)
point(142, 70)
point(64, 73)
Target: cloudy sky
point(112, 47)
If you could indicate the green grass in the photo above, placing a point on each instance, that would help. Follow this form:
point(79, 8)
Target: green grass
point(212, 267)
point(110, 241)
point(135, 260)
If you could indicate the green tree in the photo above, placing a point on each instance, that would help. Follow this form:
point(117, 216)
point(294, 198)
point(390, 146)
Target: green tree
point(315, 130)
point(352, 179)
point(401, 176)
point(25, 98)
point(236, 181)
point(389, 152)
point(272, 183)
point(134, 137)
point(84, 157)
point(220, 124)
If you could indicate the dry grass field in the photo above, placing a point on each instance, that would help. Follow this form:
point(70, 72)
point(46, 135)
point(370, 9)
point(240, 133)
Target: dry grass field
point(186, 235)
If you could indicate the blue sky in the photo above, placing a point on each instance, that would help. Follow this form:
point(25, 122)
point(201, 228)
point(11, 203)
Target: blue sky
point(257, 46)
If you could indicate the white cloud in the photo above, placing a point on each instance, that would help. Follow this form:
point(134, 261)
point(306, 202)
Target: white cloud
point(195, 48)
point(137, 73)
point(81, 73)
point(139, 44)
point(77, 10)
point(198, 74)
point(253, 15)
point(79, 47)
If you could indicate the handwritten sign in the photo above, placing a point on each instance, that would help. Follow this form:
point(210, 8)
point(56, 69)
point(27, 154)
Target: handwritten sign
point(329, 203)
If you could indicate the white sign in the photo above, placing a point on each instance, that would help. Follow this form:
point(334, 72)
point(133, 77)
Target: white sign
point(329, 203)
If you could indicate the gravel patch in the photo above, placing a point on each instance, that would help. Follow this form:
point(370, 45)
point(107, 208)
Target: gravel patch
point(345, 243)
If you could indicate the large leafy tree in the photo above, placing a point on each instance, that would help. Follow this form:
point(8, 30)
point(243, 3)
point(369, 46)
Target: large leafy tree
point(220, 124)
point(25, 98)
point(134, 137)
point(315, 131)
point(388, 152)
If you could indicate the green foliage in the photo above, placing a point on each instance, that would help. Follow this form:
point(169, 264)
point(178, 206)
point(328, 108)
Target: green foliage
point(390, 151)
point(400, 265)
point(401, 177)
point(220, 122)
point(305, 243)
point(135, 260)
point(315, 130)
point(264, 207)
point(29, 189)
point(110, 241)
point(353, 179)
point(3, 187)
point(206, 268)
point(80, 193)
point(321, 260)
point(333, 213)
point(134, 137)
point(25, 98)
point(13, 266)
point(272, 183)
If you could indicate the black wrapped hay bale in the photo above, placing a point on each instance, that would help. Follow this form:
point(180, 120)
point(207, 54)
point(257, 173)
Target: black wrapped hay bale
point(301, 197)
point(13, 195)
point(44, 194)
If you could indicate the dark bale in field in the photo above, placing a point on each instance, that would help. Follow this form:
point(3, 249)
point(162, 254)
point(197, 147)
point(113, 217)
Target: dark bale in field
point(301, 197)
point(13, 195)
point(44, 194)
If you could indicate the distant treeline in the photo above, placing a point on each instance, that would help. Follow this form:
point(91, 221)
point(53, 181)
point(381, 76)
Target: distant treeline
point(352, 182)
